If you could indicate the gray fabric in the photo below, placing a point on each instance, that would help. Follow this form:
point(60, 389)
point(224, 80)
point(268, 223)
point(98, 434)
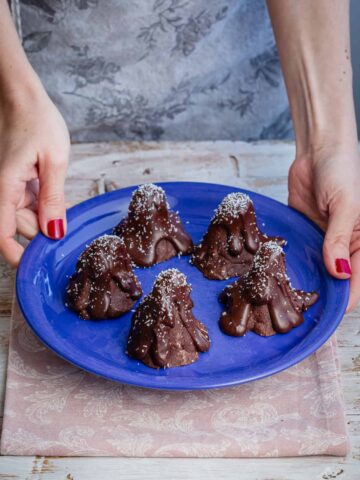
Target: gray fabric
point(159, 69)
point(15, 11)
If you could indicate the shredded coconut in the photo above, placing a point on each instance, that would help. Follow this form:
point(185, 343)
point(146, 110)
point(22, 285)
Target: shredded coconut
point(266, 255)
point(233, 205)
point(145, 193)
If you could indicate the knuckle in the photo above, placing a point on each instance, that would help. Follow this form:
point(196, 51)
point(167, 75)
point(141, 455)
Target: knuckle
point(58, 162)
point(338, 240)
point(348, 204)
point(355, 206)
point(52, 199)
point(55, 157)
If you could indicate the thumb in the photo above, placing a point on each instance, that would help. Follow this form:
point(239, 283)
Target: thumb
point(51, 207)
point(337, 240)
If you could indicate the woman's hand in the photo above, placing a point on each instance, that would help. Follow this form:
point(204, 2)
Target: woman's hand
point(324, 180)
point(34, 151)
point(326, 187)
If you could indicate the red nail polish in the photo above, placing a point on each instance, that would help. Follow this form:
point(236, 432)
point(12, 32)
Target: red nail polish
point(342, 266)
point(55, 229)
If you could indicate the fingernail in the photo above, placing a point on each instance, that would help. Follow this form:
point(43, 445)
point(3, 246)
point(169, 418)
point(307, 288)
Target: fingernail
point(342, 266)
point(55, 229)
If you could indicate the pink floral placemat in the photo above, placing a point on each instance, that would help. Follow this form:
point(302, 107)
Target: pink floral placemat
point(53, 408)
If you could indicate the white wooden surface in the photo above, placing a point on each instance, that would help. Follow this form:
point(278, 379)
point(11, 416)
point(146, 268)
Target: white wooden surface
point(261, 167)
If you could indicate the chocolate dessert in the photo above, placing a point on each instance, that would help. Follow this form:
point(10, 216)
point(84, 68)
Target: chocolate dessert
point(152, 232)
point(103, 285)
point(263, 300)
point(164, 331)
point(232, 239)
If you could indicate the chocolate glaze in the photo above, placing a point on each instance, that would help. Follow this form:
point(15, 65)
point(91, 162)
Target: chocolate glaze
point(152, 232)
point(104, 285)
point(164, 331)
point(232, 239)
point(263, 300)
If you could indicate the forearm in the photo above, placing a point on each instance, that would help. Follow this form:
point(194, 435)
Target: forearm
point(16, 73)
point(314, 48)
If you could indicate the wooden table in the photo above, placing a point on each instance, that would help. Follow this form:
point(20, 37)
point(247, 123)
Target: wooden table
point(262, 167)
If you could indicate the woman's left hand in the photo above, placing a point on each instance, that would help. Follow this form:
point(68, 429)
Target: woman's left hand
point(326, 187)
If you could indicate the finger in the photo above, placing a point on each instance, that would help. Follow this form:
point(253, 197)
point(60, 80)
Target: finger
point(27, 223)
point(355, 282)
point(52, 212)
point(10, 249)
point(307, 210)
point(337, 240)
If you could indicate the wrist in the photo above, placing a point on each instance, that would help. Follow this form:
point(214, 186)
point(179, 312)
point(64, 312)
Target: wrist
point(323, 154)
point(19, 91)
point(325, 132)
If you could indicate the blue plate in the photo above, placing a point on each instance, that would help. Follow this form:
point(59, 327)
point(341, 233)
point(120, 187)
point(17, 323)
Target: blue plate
point(99, 347)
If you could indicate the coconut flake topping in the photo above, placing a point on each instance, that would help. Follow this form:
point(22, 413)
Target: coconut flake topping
point(232, 206)
point(146, 193)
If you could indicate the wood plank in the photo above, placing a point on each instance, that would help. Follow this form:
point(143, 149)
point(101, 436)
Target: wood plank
point(177, 469)
point(203, 161)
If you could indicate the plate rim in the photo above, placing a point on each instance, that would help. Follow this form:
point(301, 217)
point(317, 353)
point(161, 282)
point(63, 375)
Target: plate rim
point(200, 383)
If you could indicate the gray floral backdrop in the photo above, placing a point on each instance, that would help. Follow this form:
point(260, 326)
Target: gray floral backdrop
point(159, 69)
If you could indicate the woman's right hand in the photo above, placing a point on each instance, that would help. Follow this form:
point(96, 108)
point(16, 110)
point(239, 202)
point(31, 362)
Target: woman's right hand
point(34, 153)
